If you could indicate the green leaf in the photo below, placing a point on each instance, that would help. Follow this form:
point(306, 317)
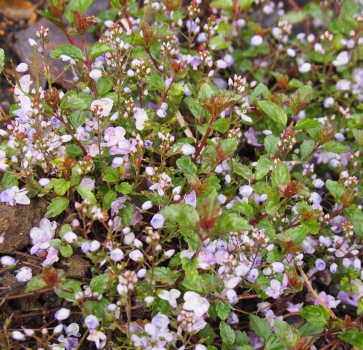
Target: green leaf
point(163, 275)
point(280, 174)
point(355, 217)
point(230, 222)
point(306, 124)
point(353, 337)
point(2, 59)
point(99, 283)
point(35, 283)
point(73, 100)
point(97, 308)
point(191, 238)
point(80, 6)
point(242, 338)
point(272, 203)
point(271, 144)
point(66, 250)
point(68, 50)
point(186, 165)
point(334, 146)
point(313, 226)
point(190, 268)
point(229, 146)
point(157, 81)
point(262, 167)
point(242, 170)
point(244, 4)
point(208, 334)
point(221, 4)
point(68, 290)
point(9, 180)
point(99, 49)
point(176, 90)
point(221, 125)
point(60, 186)
point(227, 334)
point(103, 85)
point(294, 17)
point(223, 311)
point(259, 92)
point(219, 43)
point(74, 151)
point(126, 214)
point(306, 147)
point(302, 97)
point(317, 315)
point(194, 107)
point(260, 326)
point(124, 188)
point(55, 242)
point(335, 188)
point(349, 9)
point(77, 118)
point(273, 343)
point(64, 229)
point(287, 334)
point(111, 175)
point(183, 214)
point(56, 207)
point(85, 193)
point(109, 197)
point(308, 329)
point(205, 91)
point(244, 208)
point(275, 112)
point(297, 234)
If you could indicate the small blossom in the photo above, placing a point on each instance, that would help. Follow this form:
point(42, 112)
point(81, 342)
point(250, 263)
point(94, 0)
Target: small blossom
point(44, 182)
point(117, 254)
point(256, 40)
point(136, 255)
point(305, 67)
point(21, 68)
point(7, 260)
point(342, 59)
point(62, 314)
point(194, 302)
point(24, 274)
point(17, 335)
point(318, 183)
point(146, 205)
point(95, 74)
point(141, 117)
point(320, 264)
point(97, 336)
point(157, 221)
point(170, 296)
point(91, 322)
point(70, 237)
point(14, 196)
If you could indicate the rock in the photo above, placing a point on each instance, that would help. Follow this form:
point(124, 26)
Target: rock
point(16, 223)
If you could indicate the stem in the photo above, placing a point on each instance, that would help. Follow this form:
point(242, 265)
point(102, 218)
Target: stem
point(36, 72)
point(204, 140)
point(89, 65)
point(153, 60)
point(316, 296)
point(82, 340)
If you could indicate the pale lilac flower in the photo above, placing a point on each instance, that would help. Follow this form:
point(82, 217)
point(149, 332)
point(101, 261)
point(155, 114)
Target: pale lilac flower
point(291, 52)
point(42, 235)
point(52, 256)
point(328, 102)
point(150, 171)
point(163, 183)
point(274, 290)
point(328, 300)
point(21, 68)
point(141, 117)
point(24, 88)
point(278, 267)
point(343, 85)
point(95, 74)
point(191, 199)
point(339, 136)
point(157, 221)
point(252, 276)
point(318, 183)
point(44, 182)
point(136, 255)
point(97, 336)
point(14, 196)
point(32, 42)
point(102, 107)
point(194, 302)
point(91, 322)
point(221, 64)
point(117, 255)
point(320, 264)
point(232, 296)
point(62, 314)
point(245, 191)
point(342, 59)
point(256, 40)
point(117, 205)
point(333, 268)
point(232, 282)
point(294, 307)
point(24, 274)
point(7, 260)
point(171, 296)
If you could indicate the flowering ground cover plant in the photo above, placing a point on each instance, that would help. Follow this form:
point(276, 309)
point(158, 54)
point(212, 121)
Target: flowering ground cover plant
point(206, 165)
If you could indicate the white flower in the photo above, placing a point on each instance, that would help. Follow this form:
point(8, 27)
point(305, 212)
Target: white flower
point(194, 302)
point(188, 149)
point(343, 85)
point(70, 237)
point(136, 255)
point(291, 52)
point(44, 182)
point(96, 336)
point(141, 118)
point(157, 221)
point(256, 40)
point(24, 274)
point(342, 59)
point(147, 205)
point(14, 196)
point(7, 260)
point(170, 296)
point(221, 64)
point(102, 107)
point(245, 191)
point(32, 42)
point(329, 101)
point(318, 183)
point(62, 314)
point(17, 335)
point(21, 68)
point(305, 67)
point(117, 254)
point(232, 282)
point(95, 74)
